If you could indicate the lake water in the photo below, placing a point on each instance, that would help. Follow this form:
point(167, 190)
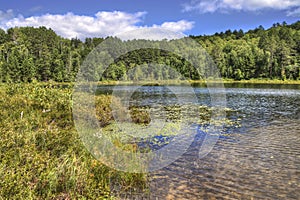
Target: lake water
point(258, 160)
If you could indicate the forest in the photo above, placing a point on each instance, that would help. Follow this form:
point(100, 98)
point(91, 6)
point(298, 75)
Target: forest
point(38, 54)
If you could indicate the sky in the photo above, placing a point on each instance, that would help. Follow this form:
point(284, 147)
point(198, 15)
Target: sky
point(101, 18)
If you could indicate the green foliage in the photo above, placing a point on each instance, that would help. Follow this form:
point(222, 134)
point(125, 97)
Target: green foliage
point(258, 53)
point(41, 154)
point(28, 53)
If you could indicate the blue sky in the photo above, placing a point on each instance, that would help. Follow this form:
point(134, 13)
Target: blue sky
point(100, 18)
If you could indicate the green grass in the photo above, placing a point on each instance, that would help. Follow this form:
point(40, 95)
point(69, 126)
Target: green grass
point(212, 80)
point(253, 81)
point(43, 157)
point(41, 154)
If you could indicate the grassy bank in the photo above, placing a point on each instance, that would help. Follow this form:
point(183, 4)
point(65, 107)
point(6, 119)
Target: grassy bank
point(41, 154)
point(183, 82)
point(174, 82)
point(263, 81)
point(251, 81)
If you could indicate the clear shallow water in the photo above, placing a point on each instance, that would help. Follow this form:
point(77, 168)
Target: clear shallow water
point(260, 160)
point(260, 164)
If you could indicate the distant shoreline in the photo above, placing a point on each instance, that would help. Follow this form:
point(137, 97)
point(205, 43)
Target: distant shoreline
point(171, 82)
point(184, 82)
point(255, 81)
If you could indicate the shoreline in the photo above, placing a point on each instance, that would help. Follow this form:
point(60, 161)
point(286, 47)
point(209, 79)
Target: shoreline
point(171, 82)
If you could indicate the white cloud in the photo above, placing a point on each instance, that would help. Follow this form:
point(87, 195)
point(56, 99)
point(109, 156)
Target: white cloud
point(210, 6)
point(4, 16)
point(81, 26)
point(179, 26)
point(150, 33)
point(70, 25)
point(294, 13)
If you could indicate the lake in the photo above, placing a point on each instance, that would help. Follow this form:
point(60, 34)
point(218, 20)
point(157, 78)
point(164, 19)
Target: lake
point(260, 159)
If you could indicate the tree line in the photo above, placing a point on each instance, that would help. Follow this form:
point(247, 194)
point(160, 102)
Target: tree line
point(28, 54)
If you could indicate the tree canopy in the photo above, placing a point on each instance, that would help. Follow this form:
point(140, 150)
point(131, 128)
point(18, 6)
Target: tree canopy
point(28, 54)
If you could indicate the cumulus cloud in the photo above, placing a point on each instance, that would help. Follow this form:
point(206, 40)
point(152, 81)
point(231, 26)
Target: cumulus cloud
point(210, 6)
point(102, 24)
point(179, 26)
